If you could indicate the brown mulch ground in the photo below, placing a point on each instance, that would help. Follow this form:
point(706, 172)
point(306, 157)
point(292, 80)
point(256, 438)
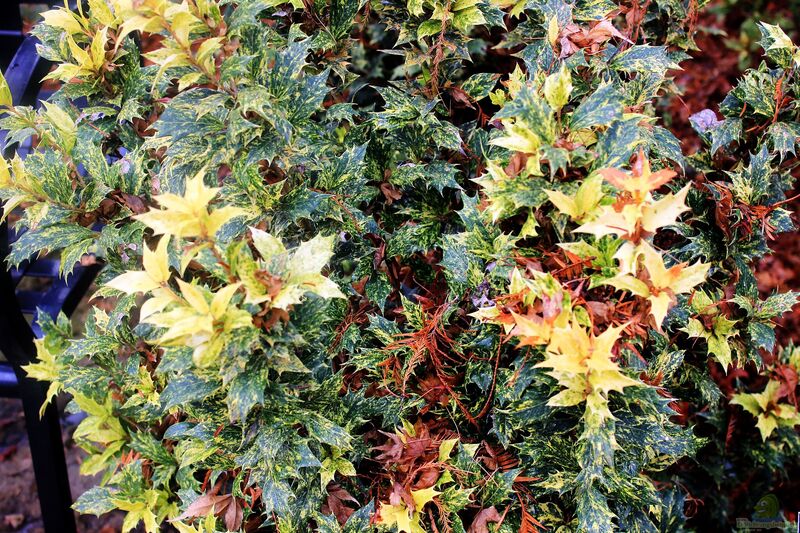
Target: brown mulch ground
point(19, 504)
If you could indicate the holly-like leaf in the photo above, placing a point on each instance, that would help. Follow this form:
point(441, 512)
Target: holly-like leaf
point(584, 202)
point(601, 108)
point(717, 338)
point(765, 407)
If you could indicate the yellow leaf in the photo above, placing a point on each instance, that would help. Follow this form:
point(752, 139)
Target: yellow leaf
point(63, 19)
point(156, 264)
point(532, 331)
point(311, 256)
point(585, 201)
point(517, 137)
point(659, 306)
point(445, 448)
point(190, 253)
point(529, 228)
point(641, 181)
point(553, 31)
point(98, 49)
point(678, 278)
point(765, 406)
point(267, 245)
point(222, 298)
point(63, 72)
point(573, 395)
point(192, 322)
point(182, 23)
point(422, 497)
point(404, 519)
point(766, 425)
point(5, 175)
point(303, 268)
point(636, 211)
point(189, 215)
point(189, 79)
point(655, 282)
point(613, 221)
point(139, 22)
point(6, 99)
point(558, 86)
point(156, 271)
point(207, 49)
point(396, 515)
point(583, 365)
point(133, 281)
point(288, 295)
point(627, 282)
point(194, 297)
point(219, 217)
point(46, 368)
point(63, 124)
point(665, 211)
point(101, 12)
point(81, 57)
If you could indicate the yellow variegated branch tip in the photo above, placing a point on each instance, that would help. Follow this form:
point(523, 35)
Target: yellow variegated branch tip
point(195, 316)
point(583, 364)
point(766, 407)
point(189, 216)
point(405, 518)
point(644, 274)
point(635, 212)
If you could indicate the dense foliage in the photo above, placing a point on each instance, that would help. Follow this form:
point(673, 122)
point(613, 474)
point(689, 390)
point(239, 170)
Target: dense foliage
point(430, 266)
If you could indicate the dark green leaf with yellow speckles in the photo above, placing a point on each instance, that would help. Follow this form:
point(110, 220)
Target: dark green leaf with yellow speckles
point(478, 86)
point(618, 143)
point(600, 108)
point(55, 237)
point(724, 134)
point(246, 391)
point(644, 58)
point(186, 388)
point(96, 501)
point(784, 136)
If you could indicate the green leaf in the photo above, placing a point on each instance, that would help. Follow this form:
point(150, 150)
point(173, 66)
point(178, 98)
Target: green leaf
point(644, 58)
point(478, 86)
point(246, 391)
point(465, 19)
point(55, 237)
point(416, 7)
point(455, 260)
point(601, 108)
point(778, 46)
point(618, 143)
point(777, 304)
point(96, 501)
point(593, 512)
point(751, 183)
point(438, 174)
point(729, 131)
point(717, 338)
point(784, 136)
point(185, 389)
point(343, 12)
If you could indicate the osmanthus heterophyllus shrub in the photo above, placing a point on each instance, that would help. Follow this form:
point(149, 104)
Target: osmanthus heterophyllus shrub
point(414, 266)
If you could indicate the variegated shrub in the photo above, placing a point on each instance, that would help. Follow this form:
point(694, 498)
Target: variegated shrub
point(424, 266)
